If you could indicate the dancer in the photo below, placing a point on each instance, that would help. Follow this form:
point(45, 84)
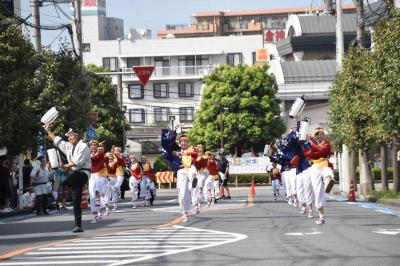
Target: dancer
point(134, 180)
point(198, 196)
point(181, 160)
point(276, 178)
point(98, 179)
point(79, 165)
point(213, 169)
point(318, 148)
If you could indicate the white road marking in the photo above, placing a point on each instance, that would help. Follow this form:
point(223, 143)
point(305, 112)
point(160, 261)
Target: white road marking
point(302, 234)
point(126, 248)
point(387, 231)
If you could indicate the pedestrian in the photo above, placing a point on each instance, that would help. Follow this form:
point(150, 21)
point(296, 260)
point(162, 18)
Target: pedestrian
point(78, 167)
point(224, 175)
point(40, 177)
point(4, 186)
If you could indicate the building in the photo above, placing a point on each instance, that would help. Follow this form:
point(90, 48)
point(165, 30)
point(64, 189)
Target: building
point(174, 91)
point(10, 7)
point(270, 22)
point(308, 61)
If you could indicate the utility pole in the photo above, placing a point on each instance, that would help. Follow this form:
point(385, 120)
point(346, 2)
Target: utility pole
point(345, 163)
point(36, 22)
point(78, 28)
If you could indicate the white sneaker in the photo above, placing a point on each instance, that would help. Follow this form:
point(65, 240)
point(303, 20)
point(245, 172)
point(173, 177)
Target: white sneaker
point(185, 218)
point(134, 206)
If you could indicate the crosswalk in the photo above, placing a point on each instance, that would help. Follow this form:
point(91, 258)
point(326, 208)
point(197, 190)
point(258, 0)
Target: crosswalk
point(126, 247)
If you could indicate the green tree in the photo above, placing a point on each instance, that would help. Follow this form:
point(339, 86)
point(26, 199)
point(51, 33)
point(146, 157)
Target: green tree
point(244, 97)
point(18, 66)
point(385, 81)
point(109, 124)
point(64, 85)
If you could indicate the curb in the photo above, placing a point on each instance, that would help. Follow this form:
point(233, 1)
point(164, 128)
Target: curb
point(15, 213)
point(391, 202)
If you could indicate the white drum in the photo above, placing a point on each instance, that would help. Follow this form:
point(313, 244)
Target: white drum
point(53, 158)
point(297, 107)
point(50, 116)
point(304, 130)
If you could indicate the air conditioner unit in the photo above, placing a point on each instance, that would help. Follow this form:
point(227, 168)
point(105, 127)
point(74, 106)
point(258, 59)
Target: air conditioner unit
point(203, 71)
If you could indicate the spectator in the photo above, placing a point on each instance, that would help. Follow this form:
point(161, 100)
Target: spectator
point(26, 174)
point(40, 177)
point(14, 178)
point(4, 186)
point(28, 199)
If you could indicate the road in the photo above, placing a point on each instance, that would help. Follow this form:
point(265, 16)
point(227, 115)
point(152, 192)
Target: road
point(243, 231)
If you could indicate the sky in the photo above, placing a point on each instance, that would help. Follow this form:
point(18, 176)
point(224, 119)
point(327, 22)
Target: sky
point(155, 14)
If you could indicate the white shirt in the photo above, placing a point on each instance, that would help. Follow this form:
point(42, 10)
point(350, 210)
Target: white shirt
point(78, 154)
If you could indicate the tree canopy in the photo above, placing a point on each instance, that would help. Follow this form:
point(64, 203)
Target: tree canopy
point(244, 97)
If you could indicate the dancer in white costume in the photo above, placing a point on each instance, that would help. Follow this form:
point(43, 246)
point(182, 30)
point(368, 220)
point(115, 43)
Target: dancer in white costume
point(184, 174)
point(213, 178)
point(319, 150)
point(98, 179)
point(134, 180)
point(201, 165)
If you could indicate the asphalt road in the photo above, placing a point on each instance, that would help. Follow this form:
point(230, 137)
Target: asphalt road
point(241, 231)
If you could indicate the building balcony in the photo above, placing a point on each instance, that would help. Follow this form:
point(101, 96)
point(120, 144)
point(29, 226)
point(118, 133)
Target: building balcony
point(171, 72)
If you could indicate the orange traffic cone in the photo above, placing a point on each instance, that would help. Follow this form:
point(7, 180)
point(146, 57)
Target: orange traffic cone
point(85, 196)
point(253, 190)
point(352, 195)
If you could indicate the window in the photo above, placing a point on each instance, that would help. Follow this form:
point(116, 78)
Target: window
point(111, 63)
point(136, 116)
point(234, 59)
point(186, 114)
point(86, 47)
point(132, 61)
point(160, 90)
point(253, 55)
point(202, 60)
point(135, 91)
point(161, 114)
point(185, 89)
point(162, 66)
point(186, 65)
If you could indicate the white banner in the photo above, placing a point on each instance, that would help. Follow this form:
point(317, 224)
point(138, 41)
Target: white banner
point(248, 165)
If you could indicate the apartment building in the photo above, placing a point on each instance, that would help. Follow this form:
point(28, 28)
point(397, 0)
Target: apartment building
point(269, 22)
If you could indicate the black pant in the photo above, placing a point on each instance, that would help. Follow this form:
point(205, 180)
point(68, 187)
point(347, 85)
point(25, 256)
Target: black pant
point(41, 202)
point(76, 182)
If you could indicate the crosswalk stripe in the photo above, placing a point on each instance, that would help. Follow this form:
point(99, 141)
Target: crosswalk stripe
point(125, 248)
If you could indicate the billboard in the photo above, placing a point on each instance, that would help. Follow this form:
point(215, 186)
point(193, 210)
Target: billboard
point(248, 165)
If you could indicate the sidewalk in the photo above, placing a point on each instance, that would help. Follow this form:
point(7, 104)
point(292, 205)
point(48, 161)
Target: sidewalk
point(368, 198)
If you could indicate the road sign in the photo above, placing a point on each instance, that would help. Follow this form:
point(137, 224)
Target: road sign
point(143, 73)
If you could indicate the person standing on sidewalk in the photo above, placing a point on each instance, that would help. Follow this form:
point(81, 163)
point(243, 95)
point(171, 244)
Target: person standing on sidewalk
point(40, 177)
point(79, 164)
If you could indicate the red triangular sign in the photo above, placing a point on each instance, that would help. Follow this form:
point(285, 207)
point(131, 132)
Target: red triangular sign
point(143, 73)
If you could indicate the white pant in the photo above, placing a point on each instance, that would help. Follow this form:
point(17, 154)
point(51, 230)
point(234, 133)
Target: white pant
point(290, 178)
point(145, 187)
point(318, 186)
point(133, 185)
point(305, 192)
point(182, 185)
point(198, 194)
point(92, 192)
point(112, 191)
